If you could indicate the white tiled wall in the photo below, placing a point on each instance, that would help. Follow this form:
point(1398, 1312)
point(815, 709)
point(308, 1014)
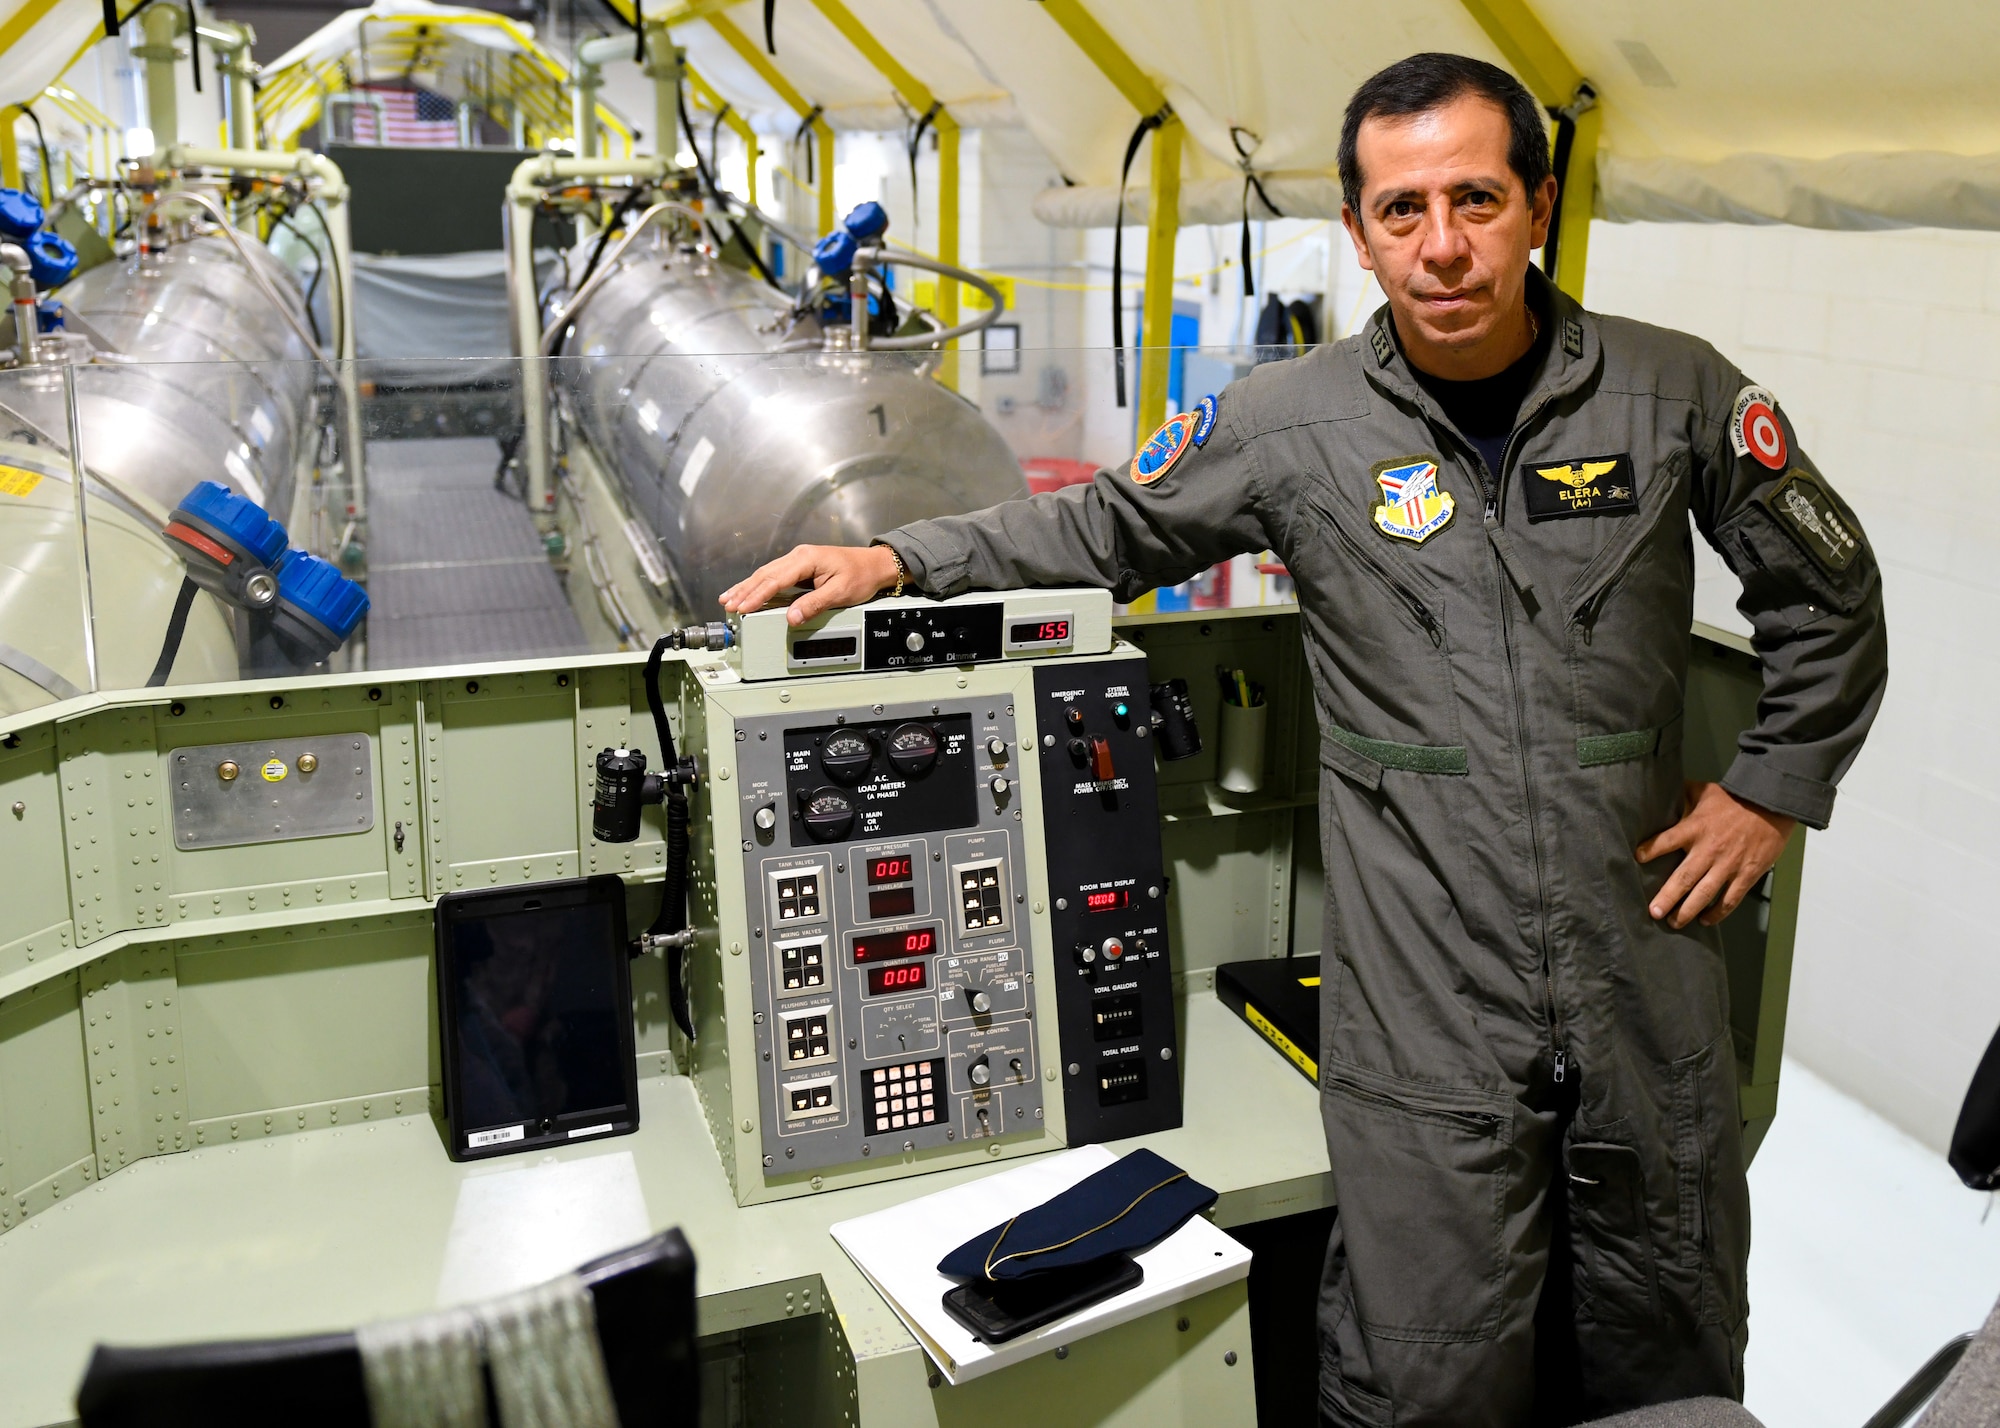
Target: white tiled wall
point(1884, 348)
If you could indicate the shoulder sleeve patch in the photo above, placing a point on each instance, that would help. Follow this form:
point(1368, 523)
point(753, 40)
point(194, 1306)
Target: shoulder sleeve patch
point(1754, 428)
point(1204, 424)
point(1810, 517)
point(1165, 447)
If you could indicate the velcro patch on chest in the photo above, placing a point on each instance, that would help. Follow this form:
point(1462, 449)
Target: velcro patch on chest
point(1592, 486)
point(1810, 517)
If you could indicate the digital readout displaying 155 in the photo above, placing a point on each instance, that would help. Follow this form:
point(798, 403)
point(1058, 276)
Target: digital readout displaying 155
point(885, 946)
point(1039, 632)
point(898, 977)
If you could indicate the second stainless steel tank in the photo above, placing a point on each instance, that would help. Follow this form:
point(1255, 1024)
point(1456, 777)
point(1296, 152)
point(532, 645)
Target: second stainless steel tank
point(732, 452)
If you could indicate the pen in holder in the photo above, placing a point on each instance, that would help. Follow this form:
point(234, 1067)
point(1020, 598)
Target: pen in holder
point(1239, 754)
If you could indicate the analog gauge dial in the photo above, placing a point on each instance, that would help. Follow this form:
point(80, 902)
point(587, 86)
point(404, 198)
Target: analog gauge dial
point(847, 755)
point(913, 748)
point(828, 813)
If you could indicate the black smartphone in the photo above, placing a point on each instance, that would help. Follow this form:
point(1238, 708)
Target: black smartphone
point(997, 1312)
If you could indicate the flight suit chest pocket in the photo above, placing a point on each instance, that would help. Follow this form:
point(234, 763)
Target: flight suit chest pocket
point(1421, 1172)
point(1628, 614)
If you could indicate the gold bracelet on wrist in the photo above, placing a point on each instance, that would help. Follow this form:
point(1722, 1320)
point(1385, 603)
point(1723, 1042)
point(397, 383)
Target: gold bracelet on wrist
point(902, 571)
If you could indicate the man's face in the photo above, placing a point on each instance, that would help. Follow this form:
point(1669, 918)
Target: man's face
point(1446, 227)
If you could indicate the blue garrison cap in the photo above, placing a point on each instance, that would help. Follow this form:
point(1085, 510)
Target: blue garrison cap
point(1132, 1203)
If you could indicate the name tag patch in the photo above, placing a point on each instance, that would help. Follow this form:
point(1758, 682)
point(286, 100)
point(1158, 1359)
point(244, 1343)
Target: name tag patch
point(1811, 518)
point(1591, 486)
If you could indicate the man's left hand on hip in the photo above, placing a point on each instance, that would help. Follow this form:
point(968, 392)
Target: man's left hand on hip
point(1727, 845)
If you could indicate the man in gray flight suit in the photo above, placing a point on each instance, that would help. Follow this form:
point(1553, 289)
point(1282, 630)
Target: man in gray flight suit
point(1528, 1086)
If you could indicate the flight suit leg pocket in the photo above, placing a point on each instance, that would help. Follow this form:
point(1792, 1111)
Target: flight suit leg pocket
point(1421, 1174)
point(1617, 1280)
point(1712, 1194)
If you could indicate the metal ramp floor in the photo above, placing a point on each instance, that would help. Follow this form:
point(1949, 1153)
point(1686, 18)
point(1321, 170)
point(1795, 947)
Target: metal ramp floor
point(456, 571)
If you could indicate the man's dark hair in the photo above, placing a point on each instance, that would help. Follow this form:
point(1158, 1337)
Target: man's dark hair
point(1425, 82)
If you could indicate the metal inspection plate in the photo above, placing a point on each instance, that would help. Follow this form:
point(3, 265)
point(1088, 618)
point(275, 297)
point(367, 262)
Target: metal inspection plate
point(272, 790)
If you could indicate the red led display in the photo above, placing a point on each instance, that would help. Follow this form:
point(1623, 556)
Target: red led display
point(1111, 901)
point(889, 869)
point(884, 946)
point(898, 977)
point(1040, 632)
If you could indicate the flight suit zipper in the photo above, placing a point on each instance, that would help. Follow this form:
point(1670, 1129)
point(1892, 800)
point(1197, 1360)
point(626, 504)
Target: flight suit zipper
point(1558, 1038)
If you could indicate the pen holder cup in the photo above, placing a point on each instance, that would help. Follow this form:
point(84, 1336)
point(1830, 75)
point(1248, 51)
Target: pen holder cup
point(1239, 755)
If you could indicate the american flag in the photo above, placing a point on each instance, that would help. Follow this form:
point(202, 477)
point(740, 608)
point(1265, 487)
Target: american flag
point(409, 116)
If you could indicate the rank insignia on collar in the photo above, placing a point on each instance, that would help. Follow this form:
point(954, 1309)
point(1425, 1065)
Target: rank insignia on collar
point(1593, 486)
point(1572, 337)
point(1412, 507)
point(1811, 518)
point(1384, 348)
point(1204, 412)
point(1166, 446)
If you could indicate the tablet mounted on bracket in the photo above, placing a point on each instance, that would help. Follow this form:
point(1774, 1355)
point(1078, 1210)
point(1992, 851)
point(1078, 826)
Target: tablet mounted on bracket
point(535, 1016)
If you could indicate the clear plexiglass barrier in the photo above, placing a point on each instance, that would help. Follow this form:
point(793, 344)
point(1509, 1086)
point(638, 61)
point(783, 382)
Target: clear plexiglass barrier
point(180, 524)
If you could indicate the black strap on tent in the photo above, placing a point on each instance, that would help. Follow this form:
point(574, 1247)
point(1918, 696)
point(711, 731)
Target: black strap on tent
point(770, 26)
point(916, 141)
point(1146, 126)
point(804, 133)
point(1250, 180)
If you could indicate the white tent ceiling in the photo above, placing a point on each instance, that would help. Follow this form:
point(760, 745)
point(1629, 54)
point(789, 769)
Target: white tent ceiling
point(1771, 87)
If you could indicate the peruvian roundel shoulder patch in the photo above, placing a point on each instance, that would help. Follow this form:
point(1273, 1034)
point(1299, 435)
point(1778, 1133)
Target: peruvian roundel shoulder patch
point(1754, 428)
point(1166, 446)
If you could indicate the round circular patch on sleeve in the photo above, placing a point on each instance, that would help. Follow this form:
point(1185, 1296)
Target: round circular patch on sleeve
point(1166, 446)
point(1754, 428)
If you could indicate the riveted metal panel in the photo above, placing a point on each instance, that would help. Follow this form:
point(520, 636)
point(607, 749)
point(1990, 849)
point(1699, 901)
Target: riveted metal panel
point(607, 717)
point(34, 915)
point(44, 1099)
point(402, 798)
point(299, 1022)
point(138, 1067)
point(263, 791)
point(508, 778)
point(116, 820)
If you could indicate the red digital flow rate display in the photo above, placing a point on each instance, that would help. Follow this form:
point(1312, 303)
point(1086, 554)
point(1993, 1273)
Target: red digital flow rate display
point(884, 946)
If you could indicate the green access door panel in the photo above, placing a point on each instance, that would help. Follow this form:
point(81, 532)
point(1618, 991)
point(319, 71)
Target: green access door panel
point(501, 778)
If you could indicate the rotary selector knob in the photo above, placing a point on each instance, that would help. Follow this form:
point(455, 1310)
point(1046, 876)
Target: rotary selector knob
point(766, 818)
point(981, 1002)
point(913, 641)
point(979, 1073)
point(1113, 949)
point(1086, 956)
point(999, 786)
point(997, 747)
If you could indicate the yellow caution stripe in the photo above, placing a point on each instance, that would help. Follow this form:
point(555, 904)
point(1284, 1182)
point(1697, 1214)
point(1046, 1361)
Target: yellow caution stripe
point(1286, 1047)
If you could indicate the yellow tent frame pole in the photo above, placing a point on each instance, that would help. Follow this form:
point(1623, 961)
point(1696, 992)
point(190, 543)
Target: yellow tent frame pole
point(1559, 85)
point(10, 150)
point(1163, 221)
point(918, 96)
point(747, 50)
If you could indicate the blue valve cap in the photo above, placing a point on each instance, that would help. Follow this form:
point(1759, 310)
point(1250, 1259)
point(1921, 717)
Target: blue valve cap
point(238, 519)
point(51, 259)
point(49, 315)
point(868, 220)
point(20, 214)
point(835, 253)
point(317, 608)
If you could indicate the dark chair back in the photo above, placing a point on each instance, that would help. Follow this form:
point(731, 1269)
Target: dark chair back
point(643, 1298)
